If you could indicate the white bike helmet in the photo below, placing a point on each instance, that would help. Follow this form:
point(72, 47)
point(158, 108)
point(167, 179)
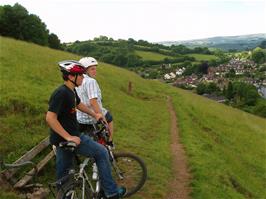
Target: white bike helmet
point(88, 62)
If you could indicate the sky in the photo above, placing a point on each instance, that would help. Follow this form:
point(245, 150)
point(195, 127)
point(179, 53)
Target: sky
point(150, 20)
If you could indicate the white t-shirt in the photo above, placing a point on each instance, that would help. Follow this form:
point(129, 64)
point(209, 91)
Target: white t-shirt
point(88, 90)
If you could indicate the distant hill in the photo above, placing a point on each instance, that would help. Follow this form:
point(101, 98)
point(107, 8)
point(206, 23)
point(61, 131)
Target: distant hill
point(241, 42)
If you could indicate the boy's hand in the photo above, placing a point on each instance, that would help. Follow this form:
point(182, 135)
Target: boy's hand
point(74, 139)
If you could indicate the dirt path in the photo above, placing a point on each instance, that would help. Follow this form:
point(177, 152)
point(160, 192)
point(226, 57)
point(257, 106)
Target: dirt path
point(179, 186)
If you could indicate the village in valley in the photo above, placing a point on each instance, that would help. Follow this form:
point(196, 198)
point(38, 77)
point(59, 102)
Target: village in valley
point(236, 68)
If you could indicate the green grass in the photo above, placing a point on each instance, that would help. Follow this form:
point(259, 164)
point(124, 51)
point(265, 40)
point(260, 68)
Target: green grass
point(29, 74)
point(202, 57)
point(225, 146)
point(146, 55)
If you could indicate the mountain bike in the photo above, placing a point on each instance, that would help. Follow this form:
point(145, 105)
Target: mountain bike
point(127, 168)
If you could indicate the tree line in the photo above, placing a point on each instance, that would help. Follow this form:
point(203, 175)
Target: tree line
point(122, 52)
point(238, 94)
point(16, 22)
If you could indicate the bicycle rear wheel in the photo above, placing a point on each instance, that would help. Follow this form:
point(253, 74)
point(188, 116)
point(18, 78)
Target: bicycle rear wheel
point(132, 170)
point(73, 190)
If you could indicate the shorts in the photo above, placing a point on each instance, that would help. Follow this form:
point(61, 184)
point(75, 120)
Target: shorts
point(108, 117)
point(89, 128)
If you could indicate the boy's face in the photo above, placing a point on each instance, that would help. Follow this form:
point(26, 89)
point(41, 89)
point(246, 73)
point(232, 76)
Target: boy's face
point(92, 71)
point(78, 80)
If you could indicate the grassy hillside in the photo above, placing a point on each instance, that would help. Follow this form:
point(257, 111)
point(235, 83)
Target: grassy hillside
point(202, 57)
point(146, 55)
point(225, 146)
point(29, 74)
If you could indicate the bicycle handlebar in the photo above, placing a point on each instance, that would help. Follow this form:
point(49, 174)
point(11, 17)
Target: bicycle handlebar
point(101, 121)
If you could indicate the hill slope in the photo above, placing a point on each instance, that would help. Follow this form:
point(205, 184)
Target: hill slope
point(225, 146)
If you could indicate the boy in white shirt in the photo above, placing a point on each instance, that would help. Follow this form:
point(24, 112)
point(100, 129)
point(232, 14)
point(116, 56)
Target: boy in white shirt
point(90, 94)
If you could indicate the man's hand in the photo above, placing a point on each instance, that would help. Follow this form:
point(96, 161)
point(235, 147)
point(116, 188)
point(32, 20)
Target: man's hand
point(73, 139)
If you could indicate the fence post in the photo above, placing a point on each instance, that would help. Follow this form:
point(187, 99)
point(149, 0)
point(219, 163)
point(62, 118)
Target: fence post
point(129, 87)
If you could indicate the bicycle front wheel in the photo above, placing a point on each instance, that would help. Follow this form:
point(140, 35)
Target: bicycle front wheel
point(129, 171)
point(73, 190)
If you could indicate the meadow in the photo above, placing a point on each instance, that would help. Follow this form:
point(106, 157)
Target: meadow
point(202, 57)
point(146, 55)
point(225, 146)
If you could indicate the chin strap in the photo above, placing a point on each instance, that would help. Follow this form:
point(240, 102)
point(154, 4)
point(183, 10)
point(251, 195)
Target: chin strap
point(74, 82)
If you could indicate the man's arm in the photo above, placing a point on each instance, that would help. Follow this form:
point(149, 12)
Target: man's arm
point(51, 119)
point(95, 105)
point(82, 107)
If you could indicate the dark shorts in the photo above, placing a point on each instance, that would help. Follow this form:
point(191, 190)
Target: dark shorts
point(108, 117)
point(89, 128)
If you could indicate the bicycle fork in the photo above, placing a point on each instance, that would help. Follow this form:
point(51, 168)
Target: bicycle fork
point(118, 172)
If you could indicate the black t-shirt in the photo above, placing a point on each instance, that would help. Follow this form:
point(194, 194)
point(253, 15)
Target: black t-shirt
point(63, 102)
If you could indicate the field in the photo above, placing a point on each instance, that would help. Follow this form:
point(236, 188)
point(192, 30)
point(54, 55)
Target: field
point(202, 57)
point(151, 55)
point(225, 146)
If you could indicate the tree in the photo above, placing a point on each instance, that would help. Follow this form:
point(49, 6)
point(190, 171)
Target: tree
point(189, 70)
point(212, 88)
point(258, 56)
point(203, 68)
point(231, 73)
point(35, 30)
point(17, 23)
point(133, 60)
point(53, 41)
point(201, 88)
point(260, 108)
point(12, 21)
point(229, 91)
point(245, 94)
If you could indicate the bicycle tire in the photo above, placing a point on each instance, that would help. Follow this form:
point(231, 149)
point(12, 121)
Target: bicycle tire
point(130, 164)
point(69, 188)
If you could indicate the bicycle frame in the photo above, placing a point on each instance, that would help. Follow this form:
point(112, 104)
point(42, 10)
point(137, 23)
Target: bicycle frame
point(113, 163)
point(90, 186)
point(95, 190)
point(85, 179)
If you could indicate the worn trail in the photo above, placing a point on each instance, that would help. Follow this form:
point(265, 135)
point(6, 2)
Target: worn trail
point(179, 186)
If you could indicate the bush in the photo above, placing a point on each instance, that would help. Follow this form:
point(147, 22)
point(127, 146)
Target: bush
point(260, 108)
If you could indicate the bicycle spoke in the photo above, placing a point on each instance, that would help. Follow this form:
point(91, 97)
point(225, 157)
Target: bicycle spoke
point(133, 171)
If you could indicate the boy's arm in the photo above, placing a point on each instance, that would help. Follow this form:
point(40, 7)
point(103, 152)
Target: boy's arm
point(51, 119)
point(82, 107)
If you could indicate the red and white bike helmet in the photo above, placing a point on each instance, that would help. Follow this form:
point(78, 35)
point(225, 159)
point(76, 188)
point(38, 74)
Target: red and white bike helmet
point(71, 67)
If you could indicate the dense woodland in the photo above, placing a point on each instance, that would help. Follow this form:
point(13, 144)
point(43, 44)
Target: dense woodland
point(16, 22)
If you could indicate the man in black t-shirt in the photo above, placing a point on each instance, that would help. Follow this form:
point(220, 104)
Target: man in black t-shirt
point(61, 117)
